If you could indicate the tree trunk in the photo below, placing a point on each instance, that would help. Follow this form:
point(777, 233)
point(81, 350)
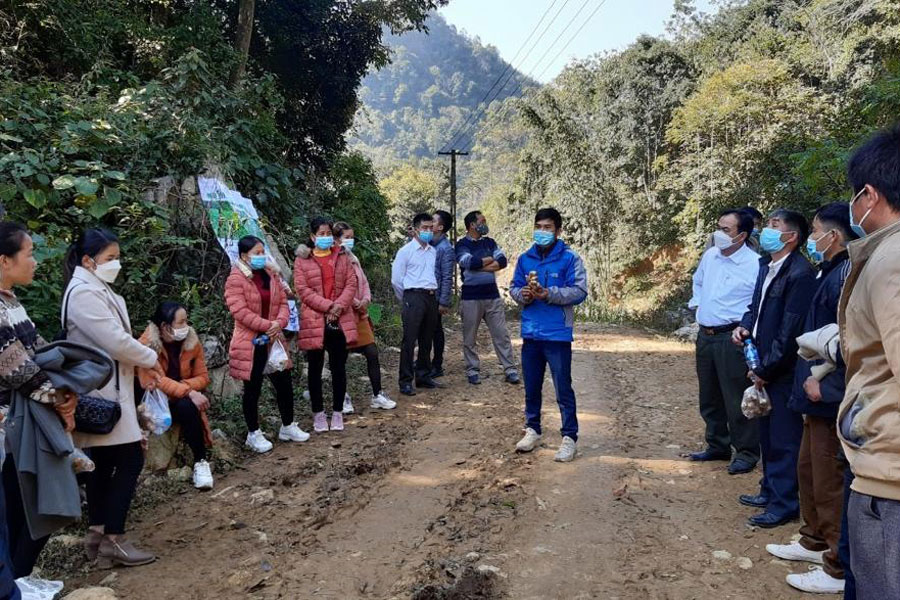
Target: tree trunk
point(242, 39)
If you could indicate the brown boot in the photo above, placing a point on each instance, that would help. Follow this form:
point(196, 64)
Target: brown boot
point(121, 552)
point(92, 543)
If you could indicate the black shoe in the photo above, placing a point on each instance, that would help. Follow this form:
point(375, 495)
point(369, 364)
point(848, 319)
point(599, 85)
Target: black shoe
point(769, 520)
point(513, 378)
point(709, 455)
point(428, 382)
point(407, 390)
point(474, 380)
point(739, 466)
point(435, 373)
point(758, 501)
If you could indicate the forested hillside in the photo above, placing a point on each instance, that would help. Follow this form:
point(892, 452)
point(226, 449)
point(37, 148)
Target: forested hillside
point(759, 104)
point(434, 82)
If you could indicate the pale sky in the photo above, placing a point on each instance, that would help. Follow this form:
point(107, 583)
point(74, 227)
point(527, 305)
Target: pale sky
point(506, 24)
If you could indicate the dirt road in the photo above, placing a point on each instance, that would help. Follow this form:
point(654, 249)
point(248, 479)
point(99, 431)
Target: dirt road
point(429, 501)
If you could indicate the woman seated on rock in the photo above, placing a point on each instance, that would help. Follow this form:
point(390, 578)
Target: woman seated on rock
point(181, 374)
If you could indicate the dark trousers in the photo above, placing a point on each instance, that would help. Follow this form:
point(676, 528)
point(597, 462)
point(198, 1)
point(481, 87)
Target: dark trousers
point(23, 551)
point(186, 414)
point(420, 318)
point(780, 433)
point(281, 381)
point(844, 544)
point(335, 343)
point(722, 378)
point(439, 342)
point(875, 546)
point(536, 356)
point(110, 487)
point(820, 474)
point(373, 365)
point(8, 589)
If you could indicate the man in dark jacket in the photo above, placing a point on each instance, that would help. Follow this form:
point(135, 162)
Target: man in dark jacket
point(775, 318)
point(444, 265)
point(820, 469)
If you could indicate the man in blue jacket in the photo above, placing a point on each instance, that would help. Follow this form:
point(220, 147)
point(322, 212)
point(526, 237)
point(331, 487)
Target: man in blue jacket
point(444, 265)
point(820, 469)
point(549, 281)
point(775, 318)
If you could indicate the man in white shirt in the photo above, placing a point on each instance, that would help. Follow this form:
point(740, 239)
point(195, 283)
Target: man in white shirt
point(723, 288)
point(414, 282)
point(785, 286)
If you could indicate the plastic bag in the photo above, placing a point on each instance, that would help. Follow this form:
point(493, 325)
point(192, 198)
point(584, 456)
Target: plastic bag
point(157, 411)
point(278, 359)
point(756, 402)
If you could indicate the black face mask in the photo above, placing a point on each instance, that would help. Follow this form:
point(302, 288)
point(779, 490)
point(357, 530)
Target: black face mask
point(482, 229)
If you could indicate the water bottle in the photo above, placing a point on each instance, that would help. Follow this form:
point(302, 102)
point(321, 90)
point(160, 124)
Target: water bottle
point(261, 340)
point(751, 355)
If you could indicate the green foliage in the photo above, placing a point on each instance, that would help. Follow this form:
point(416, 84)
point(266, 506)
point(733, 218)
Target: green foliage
point(410, 190)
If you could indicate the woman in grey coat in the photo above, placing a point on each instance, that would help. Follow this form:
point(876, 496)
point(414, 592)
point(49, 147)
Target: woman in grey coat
point(19, 374)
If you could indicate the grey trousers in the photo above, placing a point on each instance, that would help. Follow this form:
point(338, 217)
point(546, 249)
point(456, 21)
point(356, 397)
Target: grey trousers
point(491, 312)
point(875, 546)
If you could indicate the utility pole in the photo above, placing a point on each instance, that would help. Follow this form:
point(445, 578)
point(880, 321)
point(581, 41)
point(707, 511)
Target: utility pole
point(453, 154)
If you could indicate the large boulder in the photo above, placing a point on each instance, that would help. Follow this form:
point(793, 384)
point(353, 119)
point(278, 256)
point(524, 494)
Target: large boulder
point(92, 593)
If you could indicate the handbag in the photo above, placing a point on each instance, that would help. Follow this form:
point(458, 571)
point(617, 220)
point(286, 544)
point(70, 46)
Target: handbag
point(96, 415)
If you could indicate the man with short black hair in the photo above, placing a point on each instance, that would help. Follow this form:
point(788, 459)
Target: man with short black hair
point(869, 320)
point(480, 258)
point(444, 270)
point(723, 287)
point(784, 288)
point(414, 283)
point(817, 395)
point(549, 281)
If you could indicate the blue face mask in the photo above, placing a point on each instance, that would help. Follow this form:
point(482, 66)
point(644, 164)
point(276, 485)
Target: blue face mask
point(348, 244)
point(543, 238)
point(258, 262)
point(324, 242)
point(770, 240)
point(857, 227)
point(811, 245)
point(426, 236)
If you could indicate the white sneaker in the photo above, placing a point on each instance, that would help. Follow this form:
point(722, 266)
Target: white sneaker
point(292, 433)
point(203, 479)
point(816, 581)
point(306, 395)
point(35, 588)
point(794, 551)
point(383, 402)
point(529, 442)
point(567, 451)
point(348, 405)
point(257, 442)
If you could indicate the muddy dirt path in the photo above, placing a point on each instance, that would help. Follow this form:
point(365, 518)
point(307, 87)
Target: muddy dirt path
point(411, 503)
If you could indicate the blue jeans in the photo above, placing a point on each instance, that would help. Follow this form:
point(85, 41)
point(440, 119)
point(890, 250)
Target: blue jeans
point(780, 433)
point(536, 355)
point(844, 544)
point(8, 588)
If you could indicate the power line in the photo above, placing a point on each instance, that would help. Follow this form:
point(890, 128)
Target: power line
point(478, 110)
point(505, 108)
point(505, 71)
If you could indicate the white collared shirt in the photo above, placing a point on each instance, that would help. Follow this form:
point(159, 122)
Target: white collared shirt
point(413, 268)
point(774, 268)
point(723, 286)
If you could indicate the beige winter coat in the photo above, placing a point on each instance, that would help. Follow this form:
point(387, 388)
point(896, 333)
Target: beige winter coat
point(98, 317)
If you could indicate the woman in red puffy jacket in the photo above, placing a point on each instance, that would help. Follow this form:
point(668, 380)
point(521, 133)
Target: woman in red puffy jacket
point(326, 284)
point(258, 303)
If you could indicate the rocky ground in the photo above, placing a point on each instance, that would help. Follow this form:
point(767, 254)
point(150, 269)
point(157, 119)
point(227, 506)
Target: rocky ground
point(430, 502)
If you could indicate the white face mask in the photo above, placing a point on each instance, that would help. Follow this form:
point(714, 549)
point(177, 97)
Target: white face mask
point(108, 271)
point(722, 240)
point(180, 334)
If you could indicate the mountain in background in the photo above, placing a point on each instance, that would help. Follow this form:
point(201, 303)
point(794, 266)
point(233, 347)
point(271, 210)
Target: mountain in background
point(412, 107)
